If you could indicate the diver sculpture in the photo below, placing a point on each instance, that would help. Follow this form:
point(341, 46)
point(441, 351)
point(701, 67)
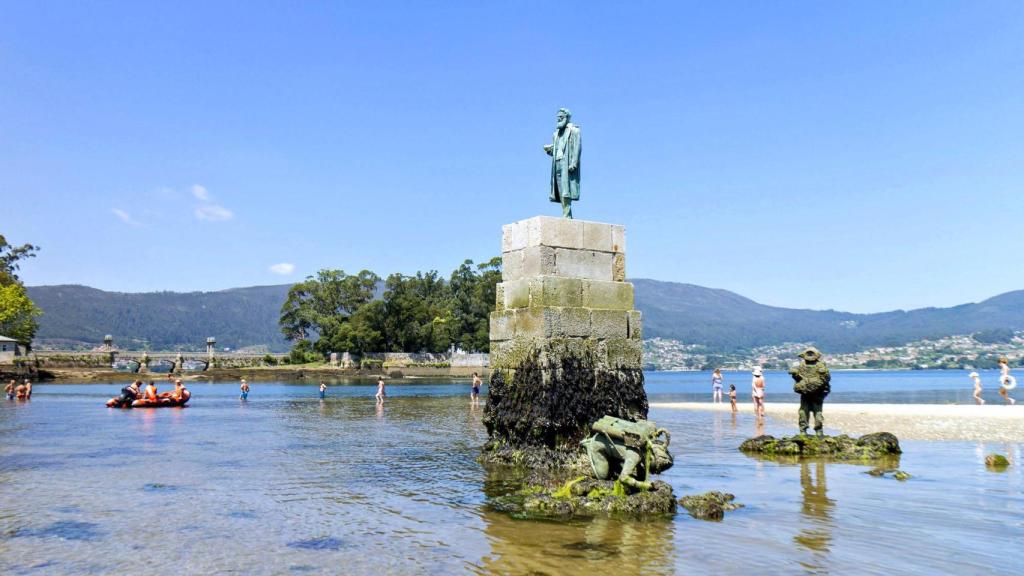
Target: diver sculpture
point(630, 450)
point(811, 380)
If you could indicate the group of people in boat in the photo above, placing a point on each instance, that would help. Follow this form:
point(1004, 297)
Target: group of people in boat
point(135, 391)
point(22, 391)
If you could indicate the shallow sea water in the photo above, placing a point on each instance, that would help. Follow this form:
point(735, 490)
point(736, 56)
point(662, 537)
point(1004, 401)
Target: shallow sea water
point(285, 483)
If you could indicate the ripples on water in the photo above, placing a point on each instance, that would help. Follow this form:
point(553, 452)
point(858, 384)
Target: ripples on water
point(285, 483)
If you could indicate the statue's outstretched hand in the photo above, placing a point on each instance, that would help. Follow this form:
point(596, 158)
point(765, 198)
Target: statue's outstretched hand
point(548, 148)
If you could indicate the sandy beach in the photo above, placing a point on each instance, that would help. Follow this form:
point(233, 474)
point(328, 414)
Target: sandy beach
point(907, 421)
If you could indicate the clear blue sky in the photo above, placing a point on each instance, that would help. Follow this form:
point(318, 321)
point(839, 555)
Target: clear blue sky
point(862, 156)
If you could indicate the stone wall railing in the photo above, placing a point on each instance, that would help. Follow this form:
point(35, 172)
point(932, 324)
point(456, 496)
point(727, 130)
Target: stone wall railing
point(101, 359)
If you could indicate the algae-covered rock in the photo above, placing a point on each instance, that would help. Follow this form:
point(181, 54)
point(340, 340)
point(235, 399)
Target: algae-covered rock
point(556, 390)
point(585, 497)
point(883, 472)
point(996, 461)
point(709, 505)
point(843, 447)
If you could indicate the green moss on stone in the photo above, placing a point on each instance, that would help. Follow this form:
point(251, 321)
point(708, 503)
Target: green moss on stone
point(566, 490)
point(996, 461)
point(868, 447)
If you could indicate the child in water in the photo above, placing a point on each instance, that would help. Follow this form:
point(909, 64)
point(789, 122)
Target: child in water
point(732, 397)
point(380, 391)
point(323, 389)
point(977, 388)
point(244, 388)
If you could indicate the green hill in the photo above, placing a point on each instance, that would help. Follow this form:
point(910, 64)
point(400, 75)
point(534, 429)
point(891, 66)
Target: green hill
point(79, 316)
point(723, 320)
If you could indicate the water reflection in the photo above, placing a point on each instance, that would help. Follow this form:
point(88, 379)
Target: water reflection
point(315, 486)
point(605, 545)
point(816, 510)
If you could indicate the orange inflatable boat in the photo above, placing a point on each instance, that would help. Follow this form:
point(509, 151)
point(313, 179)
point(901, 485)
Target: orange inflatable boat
point(164, 400)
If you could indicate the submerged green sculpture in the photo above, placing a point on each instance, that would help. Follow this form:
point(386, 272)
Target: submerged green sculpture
point(811, 381)
point(565, 162)
point(630, 448)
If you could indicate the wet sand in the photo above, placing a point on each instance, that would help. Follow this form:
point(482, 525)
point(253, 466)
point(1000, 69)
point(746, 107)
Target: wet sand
point(907, 421)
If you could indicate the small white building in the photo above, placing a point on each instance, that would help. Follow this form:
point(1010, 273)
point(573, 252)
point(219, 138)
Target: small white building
point(8, 350)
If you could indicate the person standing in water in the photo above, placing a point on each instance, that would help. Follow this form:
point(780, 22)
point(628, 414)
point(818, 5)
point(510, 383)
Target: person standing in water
point(474, 392)
point(757, 392)
point(244, 388)
point(732, 397)
point(28, 389)
point(977, 388)
point(716, 386)
point(1006, 382)
point(9, 389)
point(323, 389)
point(380, 391)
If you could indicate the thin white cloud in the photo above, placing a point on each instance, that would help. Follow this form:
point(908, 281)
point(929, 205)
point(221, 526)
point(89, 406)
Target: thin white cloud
point(207, 210)
point(284, 268)
point(125, 217)
point(213, 213)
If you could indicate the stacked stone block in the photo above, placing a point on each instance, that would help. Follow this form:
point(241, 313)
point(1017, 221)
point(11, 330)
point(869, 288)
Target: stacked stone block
point(564, 317)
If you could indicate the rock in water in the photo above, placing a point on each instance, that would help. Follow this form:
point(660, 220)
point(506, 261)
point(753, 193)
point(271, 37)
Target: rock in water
point(996, 461)
point(585, 497)
point(843, 447)
point(709, 505)
point(549, 401)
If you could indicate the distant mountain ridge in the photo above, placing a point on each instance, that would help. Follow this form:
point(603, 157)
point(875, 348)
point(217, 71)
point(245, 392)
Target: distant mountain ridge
point(719, 319)
point(724, 320)
point(238, 317)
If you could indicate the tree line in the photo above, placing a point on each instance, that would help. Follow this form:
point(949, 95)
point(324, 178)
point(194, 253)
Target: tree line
point(17, 312)
point(338, 312)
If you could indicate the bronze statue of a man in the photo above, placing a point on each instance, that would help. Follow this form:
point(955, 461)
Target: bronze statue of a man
point(565, 162)
point(811, 380)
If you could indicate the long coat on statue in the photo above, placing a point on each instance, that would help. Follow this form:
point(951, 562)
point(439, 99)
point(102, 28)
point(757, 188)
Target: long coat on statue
point(565, 152)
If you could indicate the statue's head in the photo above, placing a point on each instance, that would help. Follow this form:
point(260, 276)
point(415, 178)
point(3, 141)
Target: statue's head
point(563, 117)
point(811, 355)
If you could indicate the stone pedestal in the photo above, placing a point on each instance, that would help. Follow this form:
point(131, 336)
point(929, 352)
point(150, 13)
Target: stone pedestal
point(565, 339)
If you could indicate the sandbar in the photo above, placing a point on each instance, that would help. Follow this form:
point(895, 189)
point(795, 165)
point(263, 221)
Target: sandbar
point(989, 422)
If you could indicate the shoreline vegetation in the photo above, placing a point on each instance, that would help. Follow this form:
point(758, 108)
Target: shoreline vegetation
point(949, 422)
